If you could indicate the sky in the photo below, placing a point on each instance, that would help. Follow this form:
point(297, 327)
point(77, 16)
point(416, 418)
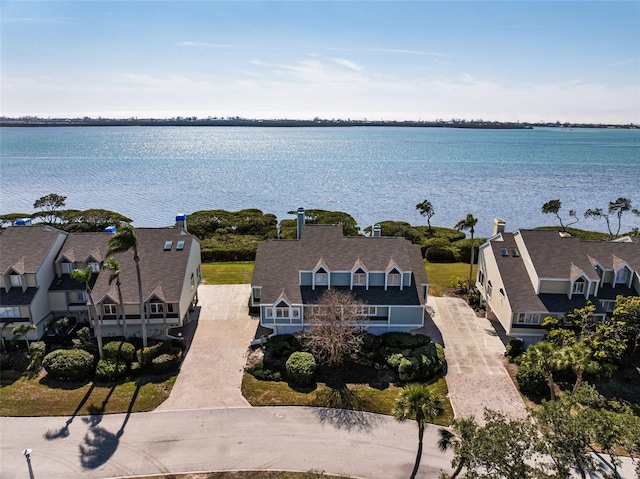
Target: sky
point(568, 61)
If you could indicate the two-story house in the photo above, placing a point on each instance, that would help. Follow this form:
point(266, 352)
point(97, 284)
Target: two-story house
point(528, 275)
point(27, 255)
point(386, 274)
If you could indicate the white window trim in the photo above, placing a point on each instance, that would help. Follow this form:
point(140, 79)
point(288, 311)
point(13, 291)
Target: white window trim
point(156, 308)
point(15, 280)
point(9, 312)
point(528, 318)
point(95, 267)
point(109, 309)
point(67, 267)
point(82, 296)
point(321, 278)
point(361, 279)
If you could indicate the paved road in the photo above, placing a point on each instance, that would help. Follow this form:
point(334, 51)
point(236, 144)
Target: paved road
point(476, 376)
point(211, 373)
point(292, 438)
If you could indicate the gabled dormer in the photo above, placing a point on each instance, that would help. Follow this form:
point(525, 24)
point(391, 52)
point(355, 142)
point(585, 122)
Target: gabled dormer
point(13, 278)
point(393, 277)
point(359, 275)
point(623, 275)
point(580, 287)
point(321, 275)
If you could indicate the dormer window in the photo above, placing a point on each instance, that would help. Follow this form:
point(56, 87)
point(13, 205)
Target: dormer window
point(109, 309)
point(66, 267)
point(578, 286)
point(322, 278)
point(393, 278)
point(359, 278)
point(16, 280)
point(622, 276)
point(95, 267)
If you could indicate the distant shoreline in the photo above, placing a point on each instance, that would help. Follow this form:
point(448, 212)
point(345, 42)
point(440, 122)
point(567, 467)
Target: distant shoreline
point(285, 123)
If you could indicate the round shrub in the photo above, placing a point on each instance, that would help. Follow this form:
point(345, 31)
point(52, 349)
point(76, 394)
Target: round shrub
point(69, 365)
point(110, 370)
point(514, 348)
point(437, 254)
point(408, 369)
point(120, 351)
point(301, 367)
point(531, 381)
point(148, 354)
point(164, 363)
point(397, 340)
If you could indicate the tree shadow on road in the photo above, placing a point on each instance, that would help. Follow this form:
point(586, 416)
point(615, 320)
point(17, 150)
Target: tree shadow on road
point(64, 430)
point(343, 411)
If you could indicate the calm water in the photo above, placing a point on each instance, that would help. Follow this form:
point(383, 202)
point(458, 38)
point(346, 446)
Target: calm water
point(375, 174)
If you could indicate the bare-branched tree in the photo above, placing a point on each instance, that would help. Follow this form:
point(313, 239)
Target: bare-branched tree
point(333, 327)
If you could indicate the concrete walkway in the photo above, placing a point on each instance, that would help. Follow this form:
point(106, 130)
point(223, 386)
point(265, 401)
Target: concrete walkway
point(476, 375)
point(211, 373)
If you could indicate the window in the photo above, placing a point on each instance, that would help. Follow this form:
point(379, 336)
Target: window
point(168, 245)
point(371, 310)
point(393, 279)
point(109, 309)
point(95, 267)
point(193, 281)
point(180, 245)
point(82, 297)
point(256, 294)
point(622, 276)
point(528, 318)
point(578, 287)
point(504, 251)
point(515, 253)
point(480, 277)
point(608, 305)
point(66, 267)
point(502, 292)
point(359, 279)
point(13, 312)
point(156, 308)
point(322, 278)
point(170, 308)
point(16, 280)
point(489, 288)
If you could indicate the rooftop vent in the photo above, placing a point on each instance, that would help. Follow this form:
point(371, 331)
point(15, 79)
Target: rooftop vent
point(23, 222)
point(181, 221)
point(300, 222)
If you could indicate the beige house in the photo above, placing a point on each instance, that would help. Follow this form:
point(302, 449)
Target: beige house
point(27, 255)
point(36, 262)
point(528, 275)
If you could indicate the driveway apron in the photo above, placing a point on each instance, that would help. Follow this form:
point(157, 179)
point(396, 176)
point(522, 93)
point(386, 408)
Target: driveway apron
point(211, 373)
point(476, 376)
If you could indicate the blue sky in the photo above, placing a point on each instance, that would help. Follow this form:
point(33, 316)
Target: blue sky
point(392, 60)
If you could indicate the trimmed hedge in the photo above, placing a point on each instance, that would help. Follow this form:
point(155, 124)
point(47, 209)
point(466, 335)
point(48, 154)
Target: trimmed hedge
point(110, 370)
point(282, 345)
point(398, 340)
point(69, 365)
point(148, 354)
point(420, 363)
point(164, 363)
point(301, 367)
point(120, 351)
point(258, 371)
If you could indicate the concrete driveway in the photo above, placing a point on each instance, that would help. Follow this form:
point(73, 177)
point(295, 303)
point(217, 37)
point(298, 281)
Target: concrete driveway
point(211, 373)
point(476, 375)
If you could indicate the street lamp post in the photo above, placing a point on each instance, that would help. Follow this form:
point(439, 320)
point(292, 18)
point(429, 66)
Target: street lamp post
point(27, 454)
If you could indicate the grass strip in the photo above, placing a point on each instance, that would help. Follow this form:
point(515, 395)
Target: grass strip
point(227, 273)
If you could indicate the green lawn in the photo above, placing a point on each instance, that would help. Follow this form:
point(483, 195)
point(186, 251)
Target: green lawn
point(33, 397)
point(357, 398)
point(441, 274)
point(227, 273)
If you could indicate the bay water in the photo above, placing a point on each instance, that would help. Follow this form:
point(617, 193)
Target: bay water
point(373, 173)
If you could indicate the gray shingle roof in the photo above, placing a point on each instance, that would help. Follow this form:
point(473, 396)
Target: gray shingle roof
point(162, 271)
point(82, 247)
point(278, 262)
point(24, 248)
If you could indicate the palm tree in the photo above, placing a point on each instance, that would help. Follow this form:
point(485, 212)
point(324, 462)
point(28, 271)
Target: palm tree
point(460, 440)
point(21, 331)
point(123, 240)
point(547, 358)
point(84, 276)
point(113, 266)
point(469, 223)
point(416, 401)
point(580, 360)
point(4, 345)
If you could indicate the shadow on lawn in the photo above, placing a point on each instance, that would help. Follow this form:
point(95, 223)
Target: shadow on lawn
point(342, 410)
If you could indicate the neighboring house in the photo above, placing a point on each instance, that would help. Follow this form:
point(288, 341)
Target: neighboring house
point(171, 271)
point(528, 275)
point(27, 255)
point(387, 274)
point(36, 262)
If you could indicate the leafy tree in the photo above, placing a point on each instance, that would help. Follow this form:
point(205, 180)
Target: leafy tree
point(92, 220)
point(124, 240)
point(2, 341)
point(50, 204)
point(579, 358)
point(614, 211)
point(332, 329)
point(11, 218)
point(113, 266)
point(426, 209)
point(416, 402)
point(469, 223)
point(547, 358)
point(627, 314)
point(553, 206)
point(21, 331)
point(462, 440)
point(206, 223)
point(84, 276)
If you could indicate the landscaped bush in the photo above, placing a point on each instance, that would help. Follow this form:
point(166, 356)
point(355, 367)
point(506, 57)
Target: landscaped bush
point(436, 254)
point(513, 349)
point(85, 341)
point(258, 371)
point(420, 363)
point(135, 368)
point(282, 345)
point(110, 370)
point(69, 365)
point(148, 354)
point(301, 367)
point(164, 363)
point(37, 350)
point(120, 351)
point(400, 341)
point(531, 381)
point(370, 351)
